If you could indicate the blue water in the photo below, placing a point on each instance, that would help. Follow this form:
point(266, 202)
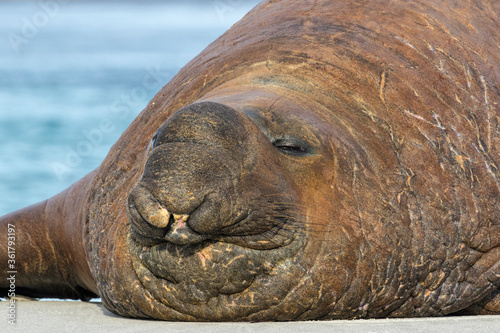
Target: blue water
point(74, 74)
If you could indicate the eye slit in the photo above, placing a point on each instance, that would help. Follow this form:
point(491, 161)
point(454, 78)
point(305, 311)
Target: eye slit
point(291, 146)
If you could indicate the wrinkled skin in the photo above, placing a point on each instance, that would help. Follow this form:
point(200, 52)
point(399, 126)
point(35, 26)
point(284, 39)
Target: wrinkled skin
point(320, 160)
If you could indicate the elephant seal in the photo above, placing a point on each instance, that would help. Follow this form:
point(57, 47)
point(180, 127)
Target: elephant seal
point(320, 160)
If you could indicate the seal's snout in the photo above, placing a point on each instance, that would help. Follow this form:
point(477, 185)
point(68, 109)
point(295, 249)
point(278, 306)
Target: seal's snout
point(211, 202)
point(189, 190)
point(209, 176)
point(153, 221)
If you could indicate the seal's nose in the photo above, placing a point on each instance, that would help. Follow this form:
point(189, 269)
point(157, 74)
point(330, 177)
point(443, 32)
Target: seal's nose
point(193, 172)
point(206, 123)
point(152, 220)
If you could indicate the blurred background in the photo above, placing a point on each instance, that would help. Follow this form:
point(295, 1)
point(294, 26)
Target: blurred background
point(74, 74)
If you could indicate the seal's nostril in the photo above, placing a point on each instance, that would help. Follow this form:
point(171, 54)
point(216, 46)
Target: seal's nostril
point(181, 218)
point(180, 233)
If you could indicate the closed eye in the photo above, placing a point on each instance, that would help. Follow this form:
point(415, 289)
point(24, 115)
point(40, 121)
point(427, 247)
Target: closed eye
point(292, 146)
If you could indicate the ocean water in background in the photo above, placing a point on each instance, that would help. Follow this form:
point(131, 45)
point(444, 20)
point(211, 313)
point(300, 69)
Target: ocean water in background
point(74, 74)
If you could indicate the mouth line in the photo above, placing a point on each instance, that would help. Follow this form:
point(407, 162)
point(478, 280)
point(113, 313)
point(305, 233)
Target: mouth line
point(257, 242)
point(256, 234)
point(267, 240)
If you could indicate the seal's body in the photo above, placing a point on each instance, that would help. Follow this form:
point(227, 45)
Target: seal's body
point(320, 160)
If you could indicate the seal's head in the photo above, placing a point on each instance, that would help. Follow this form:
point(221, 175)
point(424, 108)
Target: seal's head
point(219, 219)
point(318, 161)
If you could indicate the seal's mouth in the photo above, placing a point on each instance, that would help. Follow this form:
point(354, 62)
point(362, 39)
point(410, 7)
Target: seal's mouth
point(195, 267)
point(197, 273)
point(152, 224)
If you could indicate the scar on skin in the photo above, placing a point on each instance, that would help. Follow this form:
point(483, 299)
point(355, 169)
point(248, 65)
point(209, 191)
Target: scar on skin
point(383, 78)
